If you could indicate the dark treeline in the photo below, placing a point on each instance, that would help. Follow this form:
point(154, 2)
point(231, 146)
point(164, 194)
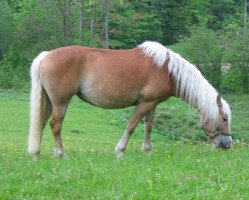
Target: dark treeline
point(210, 33)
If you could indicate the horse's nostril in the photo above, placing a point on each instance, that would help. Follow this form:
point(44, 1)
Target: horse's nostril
point(224, 144)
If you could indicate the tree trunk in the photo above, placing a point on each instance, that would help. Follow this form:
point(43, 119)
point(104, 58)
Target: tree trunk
point(93, 23)
point(64, 8)
point(245, 16)
point(106, 23)
point(81, 20)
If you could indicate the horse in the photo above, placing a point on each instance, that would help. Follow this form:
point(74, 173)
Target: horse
point(143, 77)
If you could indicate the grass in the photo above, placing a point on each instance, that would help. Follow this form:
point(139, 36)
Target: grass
point(177, 169)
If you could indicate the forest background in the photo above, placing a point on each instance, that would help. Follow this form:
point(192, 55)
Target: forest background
point(212, 34)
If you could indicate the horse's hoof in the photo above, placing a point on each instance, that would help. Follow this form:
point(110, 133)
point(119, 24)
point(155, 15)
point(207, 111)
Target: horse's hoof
point(119, 152)
point(147, 149)
point(35, 155)
point(59, 153)
point(148, 152)
point(65, 156)
point(119, 155)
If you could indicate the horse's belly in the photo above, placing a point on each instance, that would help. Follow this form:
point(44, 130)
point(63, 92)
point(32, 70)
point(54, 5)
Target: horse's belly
point(108, 94)
point(107, 100)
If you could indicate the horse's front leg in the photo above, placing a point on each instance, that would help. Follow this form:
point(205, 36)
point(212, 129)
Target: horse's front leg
point(148, 122)
point(141, 110)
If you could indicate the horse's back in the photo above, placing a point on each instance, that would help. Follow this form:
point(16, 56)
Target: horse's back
point(106, 78)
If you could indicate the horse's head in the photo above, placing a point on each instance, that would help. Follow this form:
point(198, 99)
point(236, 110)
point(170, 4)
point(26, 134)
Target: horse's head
point(218, 130)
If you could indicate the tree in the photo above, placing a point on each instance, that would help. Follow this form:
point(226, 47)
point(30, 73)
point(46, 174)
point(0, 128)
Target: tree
point(132, 23)
point(93, 23)
point(245, 16)
point(7, 28)
point(30, 26)
point(175, 20)
point(106, 23)
point(238, 57)
point(81, 20)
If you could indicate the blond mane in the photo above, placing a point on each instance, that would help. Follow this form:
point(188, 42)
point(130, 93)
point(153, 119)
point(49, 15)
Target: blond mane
point(190, 84)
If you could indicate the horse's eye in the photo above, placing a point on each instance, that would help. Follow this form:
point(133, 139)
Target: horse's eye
point(225, 119)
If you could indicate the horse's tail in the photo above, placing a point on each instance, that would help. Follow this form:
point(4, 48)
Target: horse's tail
point(40, 107)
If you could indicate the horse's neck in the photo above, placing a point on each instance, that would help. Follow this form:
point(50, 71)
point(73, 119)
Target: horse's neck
point(191, 86)
point(202, 98)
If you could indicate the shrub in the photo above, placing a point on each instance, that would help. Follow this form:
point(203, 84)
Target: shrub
point(12, 77)
point(231, 82)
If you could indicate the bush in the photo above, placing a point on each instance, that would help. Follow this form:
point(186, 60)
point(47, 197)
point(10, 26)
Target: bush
point(231, 82)
point(238, 56)
point(12, 77)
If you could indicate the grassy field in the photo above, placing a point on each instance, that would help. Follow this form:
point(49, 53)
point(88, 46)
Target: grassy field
point(182, 166)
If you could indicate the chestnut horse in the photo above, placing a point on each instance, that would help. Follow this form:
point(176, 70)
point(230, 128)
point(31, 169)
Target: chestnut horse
point(142, 77)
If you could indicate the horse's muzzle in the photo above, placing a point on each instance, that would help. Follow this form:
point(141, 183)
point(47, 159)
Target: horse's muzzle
point(223, 141)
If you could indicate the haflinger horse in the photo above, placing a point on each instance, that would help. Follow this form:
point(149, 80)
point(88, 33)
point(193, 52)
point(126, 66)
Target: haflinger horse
point(142, 77)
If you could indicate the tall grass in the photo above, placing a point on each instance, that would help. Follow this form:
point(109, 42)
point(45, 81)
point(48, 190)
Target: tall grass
point(177, 169)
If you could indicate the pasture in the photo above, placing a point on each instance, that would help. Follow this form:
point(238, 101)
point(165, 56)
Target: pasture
point(182, 165)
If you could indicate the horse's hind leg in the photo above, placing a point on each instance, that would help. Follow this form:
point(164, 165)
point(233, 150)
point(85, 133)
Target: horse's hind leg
point(140, 111)
point(148, 122)
point(58, 114)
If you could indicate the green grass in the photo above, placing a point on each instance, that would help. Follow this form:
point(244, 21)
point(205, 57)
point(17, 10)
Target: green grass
point(177, 169)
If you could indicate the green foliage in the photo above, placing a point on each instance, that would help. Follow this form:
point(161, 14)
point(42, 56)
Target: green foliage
point(130, 28)
point(29, 27)
point(175, 19)
point(221, 12)
point(13, 77)
point(7, 28)
point(231, 82)
point(238, 56)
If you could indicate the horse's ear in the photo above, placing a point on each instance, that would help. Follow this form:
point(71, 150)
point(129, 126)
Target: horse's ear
point(219, 101)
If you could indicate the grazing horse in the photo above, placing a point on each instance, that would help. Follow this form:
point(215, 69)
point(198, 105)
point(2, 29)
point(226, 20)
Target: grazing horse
point(142, 77)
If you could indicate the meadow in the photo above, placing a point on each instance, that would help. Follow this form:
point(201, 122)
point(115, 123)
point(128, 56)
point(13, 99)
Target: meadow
point(183, 165)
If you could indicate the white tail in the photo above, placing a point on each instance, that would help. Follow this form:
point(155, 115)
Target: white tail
point(39, 107)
